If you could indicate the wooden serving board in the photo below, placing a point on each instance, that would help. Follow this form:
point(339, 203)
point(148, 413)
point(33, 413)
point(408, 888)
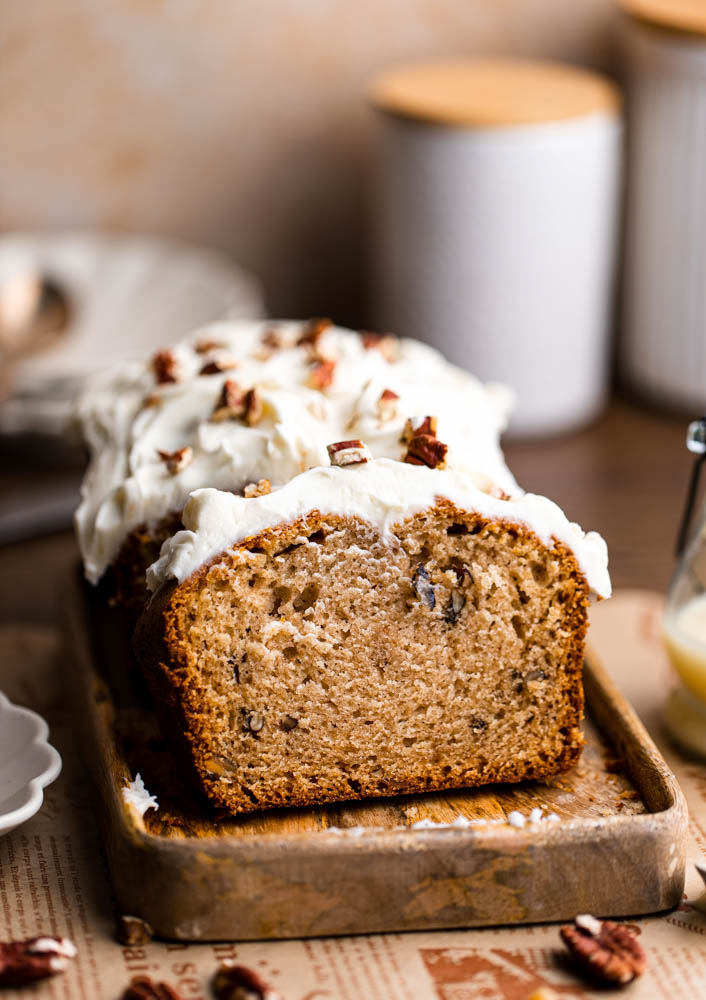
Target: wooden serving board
point(618, 848)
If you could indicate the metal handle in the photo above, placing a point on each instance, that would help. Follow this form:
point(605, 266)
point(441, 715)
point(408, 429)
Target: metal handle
point(696, 444)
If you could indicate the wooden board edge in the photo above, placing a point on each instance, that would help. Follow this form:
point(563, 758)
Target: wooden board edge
point(648, 770)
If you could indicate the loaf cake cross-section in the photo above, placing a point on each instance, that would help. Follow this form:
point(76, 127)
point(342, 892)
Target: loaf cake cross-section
point(361, 601)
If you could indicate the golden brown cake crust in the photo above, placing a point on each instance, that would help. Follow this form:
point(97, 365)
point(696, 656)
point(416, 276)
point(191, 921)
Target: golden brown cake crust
point(448, 656)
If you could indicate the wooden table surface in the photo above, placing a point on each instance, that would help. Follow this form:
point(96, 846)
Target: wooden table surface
point(624, 476)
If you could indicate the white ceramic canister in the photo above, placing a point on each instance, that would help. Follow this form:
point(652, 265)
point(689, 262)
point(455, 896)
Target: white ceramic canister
point(663, 340)
point(495, 224)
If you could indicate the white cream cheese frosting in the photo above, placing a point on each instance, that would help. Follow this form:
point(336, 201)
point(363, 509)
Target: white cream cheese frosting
point(129, 418)
point(134, 423)
point(383, 492)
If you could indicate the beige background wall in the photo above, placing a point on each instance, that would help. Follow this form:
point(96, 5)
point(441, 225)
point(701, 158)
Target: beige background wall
point(236, 123)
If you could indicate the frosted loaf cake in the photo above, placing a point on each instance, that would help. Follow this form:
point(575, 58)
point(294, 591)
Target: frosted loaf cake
point(361, 601)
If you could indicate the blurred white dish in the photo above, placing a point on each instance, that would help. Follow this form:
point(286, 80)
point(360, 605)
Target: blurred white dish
point(128, 295)
point(28, 763)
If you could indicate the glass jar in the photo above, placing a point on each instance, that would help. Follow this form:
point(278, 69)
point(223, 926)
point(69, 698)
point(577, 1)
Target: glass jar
point(685, 621)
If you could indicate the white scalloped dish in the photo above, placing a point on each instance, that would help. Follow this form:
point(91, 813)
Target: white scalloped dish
point(28, 763)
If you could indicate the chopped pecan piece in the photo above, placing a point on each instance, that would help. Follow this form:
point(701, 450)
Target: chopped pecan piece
point(419, 425)
point(177, 461)
point(237, 982)
point(498, 492)
point(387, 405)
point(462, 572)
point(133, 930)
point(424, 587)
point(253, 406)
point(321, 375)
point(607, 952)
point(36, 958)
point(312, 332)
point(208, 346)
point(230, 404)
point(217, 365)
point(456, 604)
point(386, 343)
point(165, 366)
point(254, 722)
point(424, 449)
point(273, 339)
point(144, 988)
point(259, 489)
point(353, 452)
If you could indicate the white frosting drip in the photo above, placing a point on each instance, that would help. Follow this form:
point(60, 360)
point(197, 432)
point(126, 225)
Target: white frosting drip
point(128, 484)
point(383, 492)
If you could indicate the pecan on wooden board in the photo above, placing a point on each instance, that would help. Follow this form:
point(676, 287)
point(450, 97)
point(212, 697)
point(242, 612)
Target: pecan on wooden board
point(23, 962)
point(608, 953)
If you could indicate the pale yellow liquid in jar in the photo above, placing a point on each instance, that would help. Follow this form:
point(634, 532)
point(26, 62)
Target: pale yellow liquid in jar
point(685, 637)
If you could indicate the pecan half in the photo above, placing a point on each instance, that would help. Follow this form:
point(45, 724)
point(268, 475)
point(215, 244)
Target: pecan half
point(424, 449)
point(177, 461)
point(144, 988)
point(237, 982)
point(387, 405)
point(607, 952)
point(353, 452)
point(424, 587)
point(230, 405)
point(312, 332)
point(133, 930)
point(165, 366)
point(36, 958)
point(258, 489)
point(386, 343)
point(321, 375)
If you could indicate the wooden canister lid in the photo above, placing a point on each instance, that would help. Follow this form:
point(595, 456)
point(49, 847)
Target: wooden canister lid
point(492, 92)
point(683, 16)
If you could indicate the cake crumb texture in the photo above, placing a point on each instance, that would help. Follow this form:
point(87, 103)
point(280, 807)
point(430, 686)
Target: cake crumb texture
point(321, 661)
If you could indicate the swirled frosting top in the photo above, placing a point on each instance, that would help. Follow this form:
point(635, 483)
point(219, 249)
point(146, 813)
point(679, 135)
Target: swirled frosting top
point(188, 419)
